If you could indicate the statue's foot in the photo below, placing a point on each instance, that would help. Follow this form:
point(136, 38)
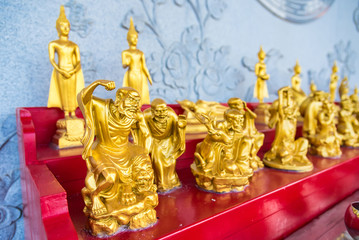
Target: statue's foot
point(98, 208)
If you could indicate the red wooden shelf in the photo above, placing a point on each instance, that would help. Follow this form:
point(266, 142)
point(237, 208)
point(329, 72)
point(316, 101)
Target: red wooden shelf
point(275, 204)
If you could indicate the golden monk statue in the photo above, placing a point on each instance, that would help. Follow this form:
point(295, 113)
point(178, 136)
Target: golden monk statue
point(298, 94)
point(355, 101)
point(286, 152)
point(168, 136)
point(325, 140)
point(348, 124)
point(66, 82)
point(250, 131)
point(209, 108)
point(333, 82)
point(222, 158)
point(137, 74)
point(119, 187)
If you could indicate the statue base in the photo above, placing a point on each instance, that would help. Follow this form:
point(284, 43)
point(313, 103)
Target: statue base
point(295, 166)
point(69, 133)
point(219, 184)
point(262, 112)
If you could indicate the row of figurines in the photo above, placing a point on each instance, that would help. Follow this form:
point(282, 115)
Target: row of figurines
point(123, 178)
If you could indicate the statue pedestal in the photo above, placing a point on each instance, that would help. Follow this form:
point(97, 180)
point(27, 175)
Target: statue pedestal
point(263, 115)
point(69, 133)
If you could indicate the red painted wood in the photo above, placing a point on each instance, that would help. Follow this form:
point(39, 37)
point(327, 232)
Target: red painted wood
point(275, 204)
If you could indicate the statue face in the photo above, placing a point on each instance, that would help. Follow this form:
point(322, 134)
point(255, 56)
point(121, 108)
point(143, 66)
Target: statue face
point(130, 105)
point(64, 28)
point(235, 121)
point(160, 113)
point(133, 38)
point(143, 176)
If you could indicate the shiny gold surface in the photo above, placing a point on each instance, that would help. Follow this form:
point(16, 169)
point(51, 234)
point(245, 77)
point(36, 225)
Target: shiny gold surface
point(250, 131)
point(66, 82)
point(119, 191)
point(333, 82)
point(298, 94)
point(286, 153)
point(260, 89)
point(191, 109)
point(137, 73)
point(168, 143)
point(222, 159)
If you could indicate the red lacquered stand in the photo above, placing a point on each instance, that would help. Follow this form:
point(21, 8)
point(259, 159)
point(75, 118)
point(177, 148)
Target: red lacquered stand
point(275, 204)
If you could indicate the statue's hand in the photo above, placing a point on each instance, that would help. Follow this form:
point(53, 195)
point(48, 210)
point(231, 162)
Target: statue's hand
point(64, 73)
point(182, 122)
point(109, 85)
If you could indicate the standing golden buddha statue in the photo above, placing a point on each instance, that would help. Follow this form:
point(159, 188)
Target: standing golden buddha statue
point(287, 153)
point(222, 158)
point(119, 187)
point(260, 89)
point(298, 94)
point(333, 82)
point(250, 131)
point(66, 82)
point(168, 143)
point(137, 73)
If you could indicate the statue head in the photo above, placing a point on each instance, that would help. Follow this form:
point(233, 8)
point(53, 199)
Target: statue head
point(62, 23)
point(313, 87)
point(346, 103)
point(159, 110)
point(297, 69)
point(234, 119)
point(127, 101)
point(335, 67)
point(319, 96)
point(261, 54)
point(142, 174)
point(132, 35)
point(235, 103)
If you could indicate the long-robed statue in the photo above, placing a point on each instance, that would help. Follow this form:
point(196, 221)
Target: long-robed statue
point(137, 74)
point(119, 186)
point(67, 79)
point(168, 143)
point(298, 94)
point(333, 82)
point(260, 89)
point(286, 153)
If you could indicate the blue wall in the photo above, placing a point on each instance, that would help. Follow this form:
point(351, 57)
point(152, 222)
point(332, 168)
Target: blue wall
point(196, 49)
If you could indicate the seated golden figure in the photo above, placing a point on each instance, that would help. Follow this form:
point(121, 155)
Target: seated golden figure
point(325, 140)
point(222, 158)
point(168, 143)
point(212, 109)
point(287, 153)
point(249, 131)
point(348, 124)
point(137, 74)
point(119, 189)
point(66, 82)
point(355, 101)
point(298, 94)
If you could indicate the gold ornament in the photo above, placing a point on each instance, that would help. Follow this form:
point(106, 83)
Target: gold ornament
point(66, 82)
point(286, 153)
point(119, 189)
point(333, 82)
point(168, 143)
point(260, 89)
point(137, 73)
point(298, 94)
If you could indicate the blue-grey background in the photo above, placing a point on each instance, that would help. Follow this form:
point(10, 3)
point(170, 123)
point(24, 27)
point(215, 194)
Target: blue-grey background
point(195, 49)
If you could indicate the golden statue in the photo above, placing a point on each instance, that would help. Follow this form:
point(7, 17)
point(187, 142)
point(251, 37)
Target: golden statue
point(344, 88)
point(222, 158)
point(191, 109)
point(250, 131)
point(119, 187)
point(287, 153)
point(66, 82)
point(312, 87)
point(325, 140)
point(168, 136)
point(355, 101)
point(261, 90)
point(348, 125)
point(298, 94)
point(137, 74)
point(333, 82)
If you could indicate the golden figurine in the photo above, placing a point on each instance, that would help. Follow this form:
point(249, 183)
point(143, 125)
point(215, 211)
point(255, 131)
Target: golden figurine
point(324, 139)
point(168, 143)
point(66, 82)
point(260, 89)
point(312, 87)
point(119, 187)
point(287, 153)
point(213, 109)
point(355, 101)
point(298, 94)
point(333, 82)
point(344, 88)
point(222, 158)
point(250, 131)
point(348, 125)
point(137, 73)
